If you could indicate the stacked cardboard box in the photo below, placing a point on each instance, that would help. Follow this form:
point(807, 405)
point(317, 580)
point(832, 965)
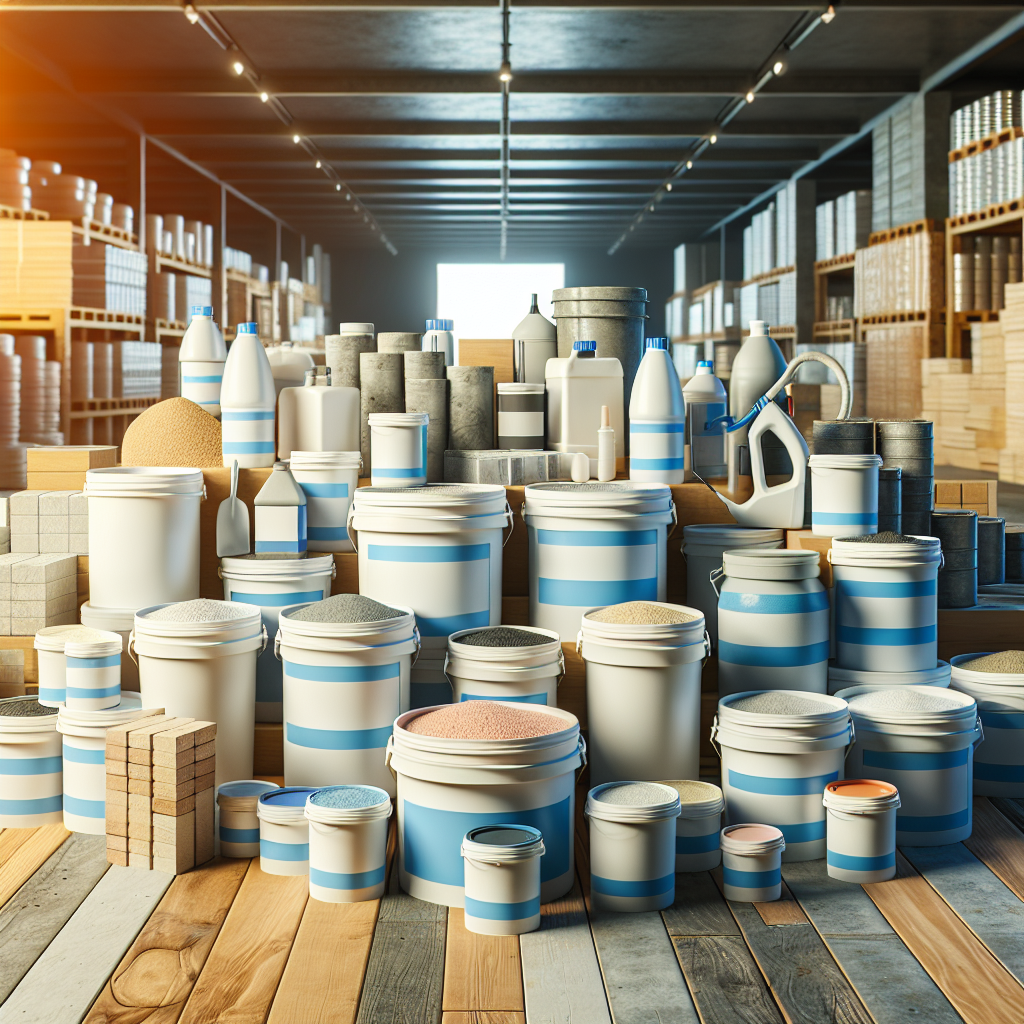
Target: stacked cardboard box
point(63, 467)
point(979, 495)
point(35, 264)
point(894, 369)
point(37, 591)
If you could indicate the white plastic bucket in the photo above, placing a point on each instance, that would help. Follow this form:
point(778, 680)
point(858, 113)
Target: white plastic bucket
point(999, 761)
point(93, 673)
point(446, 787)
point(502, 874)
point(328, 479)
point(773, 622)
point(703, 546)
point(592, 545)
point(115, 620)
point(885, 604)
point(344, 685)
point(526, 674)
point(927, 755)
point(698, 825)
point(844, 494)
point(348, 834)
point(200, 383)
point(272, 584)
point(247, 436)
point(239, 825)
point(398, 449)
point(206, 671)
point(632, 847)
point(84, 748)
point(752, 863)
point(843, 678)
point(284, 831)
point(31, 765)
point(775, 767)
point(143, 535)
point(860, 819)
point(643, 697)
point(49, 648)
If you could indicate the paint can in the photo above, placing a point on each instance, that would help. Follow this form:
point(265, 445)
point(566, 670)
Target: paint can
point(93, 673)
point(752, 863)
point(860, 816)
point(502, 879)
point(239, 825)
point(31, 764)
point(328, 479)
point(284, 831)
point(844, 494)
point(398, 449)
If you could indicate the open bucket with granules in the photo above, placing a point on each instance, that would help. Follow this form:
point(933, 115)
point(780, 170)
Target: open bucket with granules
point(520, 663)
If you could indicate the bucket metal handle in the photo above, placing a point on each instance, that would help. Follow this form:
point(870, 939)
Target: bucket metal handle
point(511, 523)
point(853, 738)
point(348, 526)
point(581, 749)
point(707, 649)
point(131, 647)
point(714, 736)
point(675, 523)
point(266, 639)
point(980, 730)
point(416, 639)
point(714, 576)
point(579, 643)
point(277, 645)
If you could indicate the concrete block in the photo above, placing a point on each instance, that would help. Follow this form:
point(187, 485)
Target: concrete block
point(31, 626)
point(25, 503)
point(56, 606)
point(55, 503)
point(6, 562)
point(25, 545)
point(24, 526)
point(44, 568)
point(78, 543)
point(54, 544)
point(53, 524)
point(78, 504)
point(78, 524)
point(44, 591)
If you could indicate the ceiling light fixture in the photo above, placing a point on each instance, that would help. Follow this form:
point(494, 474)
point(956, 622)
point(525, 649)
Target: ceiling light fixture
point(318, 165)
point(337, 188)
point(505, 72)
point(779, 68)
point(827, 17)
point(264, 97)
point(713, 139)
point(295, 139)
point(239, 67)
point(348, 197)
point(689, 165)
point(193, 15)
point(750, 96)
point(668, 186)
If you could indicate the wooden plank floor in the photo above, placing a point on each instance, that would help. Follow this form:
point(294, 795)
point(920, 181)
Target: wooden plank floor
point(943, 943)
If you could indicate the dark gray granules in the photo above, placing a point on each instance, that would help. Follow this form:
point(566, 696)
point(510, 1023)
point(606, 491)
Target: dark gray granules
point(504, 636)
point(24, 707)
point(887, 537)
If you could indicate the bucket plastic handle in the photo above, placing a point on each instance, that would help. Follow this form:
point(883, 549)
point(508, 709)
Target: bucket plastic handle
point(389, 751)
point(131, 645)
point(714, 735)
point(511, 523)
point(266, 640)
point(217, 643)
point(714, 576)
point(348, 525)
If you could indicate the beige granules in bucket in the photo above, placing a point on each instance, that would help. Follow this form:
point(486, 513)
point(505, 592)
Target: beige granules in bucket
point(485, 720)
point(642, 613)
point(777, 702)
point(202, 609)
point(1008, 662)
point(175, 432)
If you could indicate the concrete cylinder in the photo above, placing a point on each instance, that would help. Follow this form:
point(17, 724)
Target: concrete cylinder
point(424, 365)
point(430, 395)
point(342, 353)
point(397, 341)
point(470, 407)
point(380, 390)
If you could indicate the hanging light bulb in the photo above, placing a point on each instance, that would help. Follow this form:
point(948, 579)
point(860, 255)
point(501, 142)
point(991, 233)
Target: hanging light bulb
point(264, 97)
point(779, 68)
point(749, 97)
point(689, 165)
point(505, 72)
point(337, 188)
point(348, 197)
point(193, 15)
point(239, 67)
point(318, 165)
point(295, 139)
point(713, 139)
point(827, 17)
point(668, 186)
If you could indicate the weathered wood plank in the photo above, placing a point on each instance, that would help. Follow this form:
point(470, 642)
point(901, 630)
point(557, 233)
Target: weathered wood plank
point(998, 844)
point(1012, 810)
point(481, 972)
point(62, 984)
point(44, 904)
point(156, 976)
point(981, 990)
point(22, 852)
point(784, 910)
point(10, 840)
point(699, 908)
point(240, 977)
point(483, 1017)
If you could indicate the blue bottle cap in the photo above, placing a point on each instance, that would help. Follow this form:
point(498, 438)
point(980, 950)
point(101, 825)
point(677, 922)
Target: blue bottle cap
point(584, 346)
point(247, 328)
point(706, 363)
point(202, 310)
point(661, 343)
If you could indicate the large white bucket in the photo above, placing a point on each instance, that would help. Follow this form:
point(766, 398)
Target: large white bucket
point(844, 494)
point(143, 535)
point(329, 480)
point(643, 697)
point(116, 620)
point(773, 623)
point(446, 787)
point(31, 766)
point(344, 685)
point(775, 766)
point(843, 678)
point(272, 584)
point(527, 674)
point(592, 545)
point(502, 873)
point(927, 755)
point(999, 761)
point(885, 604)
point(206, 671)
point(698, 825)
point(703, 547)
point(861, 825)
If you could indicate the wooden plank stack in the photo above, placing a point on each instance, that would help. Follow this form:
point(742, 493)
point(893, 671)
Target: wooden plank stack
point(35, 264)
point(1011, 457)
point(63, 468)
point(894, 381)
point(160, 793)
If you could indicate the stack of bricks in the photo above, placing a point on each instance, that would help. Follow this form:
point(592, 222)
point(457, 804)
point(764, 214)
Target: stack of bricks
point(160, 793)
point(37, 591)
point(980, 495)
point(63, 467)
point(49, 522)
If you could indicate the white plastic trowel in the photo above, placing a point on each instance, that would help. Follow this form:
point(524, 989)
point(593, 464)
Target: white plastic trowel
point(232, 522)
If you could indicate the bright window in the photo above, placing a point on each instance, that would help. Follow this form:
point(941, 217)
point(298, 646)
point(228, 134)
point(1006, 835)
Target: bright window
point(487, 300)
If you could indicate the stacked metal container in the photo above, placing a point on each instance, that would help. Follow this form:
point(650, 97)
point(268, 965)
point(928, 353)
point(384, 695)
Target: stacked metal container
point(910, 445)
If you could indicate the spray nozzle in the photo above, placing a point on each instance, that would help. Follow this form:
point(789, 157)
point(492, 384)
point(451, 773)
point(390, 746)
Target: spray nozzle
point(606, 417)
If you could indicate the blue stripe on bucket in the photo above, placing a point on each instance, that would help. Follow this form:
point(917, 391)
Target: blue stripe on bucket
point(912, 761)
point(697, 844)
point(933, 822)
point(278, 600)
point(248, 447)
point(428, 553)
point(487, 911)
point(872, 636)
point(284, 851)
point(1002, 719)
point(212, 378)
point(108, 662)
point(848, 862)
point(807, 832)
point(51, 694)
point(239, 835)
point(631, 889)
point(342, 673)
point(338, 739)
point(445, 625)
point(751, 879)
point(433, 838)
point(772, 657)
point(657, 428)
point(655, 465)
point(326, 533)
point(41, 805)
point(346, 879)
point(89, 692)
point(248, 416)
point(844, 518)
point(396, 473)
point(984, 771)
point(31, 765)
point(592, 593)
point(861, 588)
point(325, 490)
point(79, 756)
point(597, 538)
point(773, 604)
point(294, 547)
point(768, 786)
point(84, 808)
point(530, 698)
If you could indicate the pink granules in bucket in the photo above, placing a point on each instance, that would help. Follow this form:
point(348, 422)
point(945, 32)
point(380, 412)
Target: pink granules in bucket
point(485, 720)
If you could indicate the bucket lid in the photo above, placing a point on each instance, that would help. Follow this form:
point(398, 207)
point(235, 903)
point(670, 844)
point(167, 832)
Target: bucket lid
point(772, 564)
point(103, 645)
point(270, 564)
point(728, 536)
point(502, 844)
point(398, 419)
point(456, 499)
point(599, 294)
point(143, 481)
point(325, 460)
point(843, 678)
point(910, 705)
point(861, 796)
point(697, 799)
point(625, 496)
point(129, 709)
point(355, 328)
point(633, 801)
point(878, 550)
point(118, 620)
point(750, 840)
point(26, 714)
point(342, 805)
point(242, 794)
point(225, 615)
point(844, 461)
point(53, 638)
point(284, 806)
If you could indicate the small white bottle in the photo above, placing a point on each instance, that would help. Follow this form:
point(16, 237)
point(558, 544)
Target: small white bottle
point(606, 446)
point(657, 418)
point(317, 417)
point(247, 399)
point(281, 515)
point(201, 358)
point(440, 337)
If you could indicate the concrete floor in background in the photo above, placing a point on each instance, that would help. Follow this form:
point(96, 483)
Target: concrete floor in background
point(1011, 496)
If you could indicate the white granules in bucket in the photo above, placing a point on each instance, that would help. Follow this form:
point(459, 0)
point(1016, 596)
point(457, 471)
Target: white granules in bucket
point(777, 702)
point(885, 537)
point(504, 636)
point(485, 720)
point(904, 699)
point(620, 487)
point(691, 791)
point(24, 707)
point(641, 613)
point(346, 798)
point(633, 794)
point(202, 609)
point(1008, 662)
point(346, 608)
point(79, 634)
point(441, 490)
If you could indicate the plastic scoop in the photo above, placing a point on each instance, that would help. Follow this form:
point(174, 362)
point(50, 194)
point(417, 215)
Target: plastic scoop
point(232, 522)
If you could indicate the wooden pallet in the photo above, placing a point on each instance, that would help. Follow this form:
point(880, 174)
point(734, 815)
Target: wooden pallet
point(905, 317)
point(107, 234)
point(989, 217)
point(13, 213)
point(890, 234)
point(768, 277)
point(95, 408)
point(835, 264)
point(1004, 135)
point(836, 330)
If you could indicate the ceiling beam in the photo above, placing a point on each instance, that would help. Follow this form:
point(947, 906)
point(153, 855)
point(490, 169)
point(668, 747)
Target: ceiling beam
point(293, 6)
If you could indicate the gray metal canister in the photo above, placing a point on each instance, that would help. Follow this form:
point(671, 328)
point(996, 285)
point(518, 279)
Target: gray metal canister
point(521, 416)
point(957, 530)
point(991, 550)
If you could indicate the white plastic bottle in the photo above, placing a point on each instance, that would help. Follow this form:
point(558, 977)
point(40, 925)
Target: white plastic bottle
point(439, 337)
point(247, 401)
point(281, 515)
point(657, 418)
point(289, 365)
point(317, 417)
point(201, 358)
point(705, 402)
point(605, 447)
point(534, 342)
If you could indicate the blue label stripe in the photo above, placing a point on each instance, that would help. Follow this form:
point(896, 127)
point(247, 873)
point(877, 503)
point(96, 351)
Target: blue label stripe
point(808, 832)
point(398, 474)
point(1001, 719)
point(530, 698)
point(325, 490)
point(338, 739)
point(657, 428)
point(91, 692)
point(41, 805)
point(812, 784)
point(327, 533)
point(342, 673)
point(873, 636)
point(448, 624)
point(597, 538)
point(294, 547)
point(51, 694)
point(79, 756)
point(594, 593)
point(772, 657)
point(84, 808)
point(484, 910)
point(248, 447)
point(346, 880)
point(635, 890)
point(31, 765)
point(773, 604)
point(203, 379)
point(109, 662)
point(656, 465)
point(697, 844)
point(933, 823)
point(239, 835)
point(278, 600)
point(844, 518)
point(284, 851)
point(428, 553)
point(860, 588)
point(910, 761)
point(248, 416)
point(850, 863)
point(984, 771)
point(751, 879)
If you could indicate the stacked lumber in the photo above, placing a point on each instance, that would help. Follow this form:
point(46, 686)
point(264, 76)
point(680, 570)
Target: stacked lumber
point(894, 369)
point(35, 264)
point(1011, 457)
point(63, 467)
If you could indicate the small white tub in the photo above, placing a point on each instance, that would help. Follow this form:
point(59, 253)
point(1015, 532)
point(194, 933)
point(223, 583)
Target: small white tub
point(502, 879)
point(239, 825)
point(31, 765)
point(860, 817)
point(348, 835)
point(844, 494)
point(284, 831)
point(329, 480)
point(398, 449)
point(529, 674)
point(93, 672)
point(843, 678)
point(49, 648)
point(698, 825)
point(632, 846)
point(116, 620)
point(752, 863)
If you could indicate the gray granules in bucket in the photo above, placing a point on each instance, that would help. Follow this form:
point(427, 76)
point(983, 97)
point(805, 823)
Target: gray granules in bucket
point(346, 608)
point(1010, 662)
point(201, 610)
point(885, 537)
point(346, 798)
point(24, 707)
point(633, 794)
point(641, 613)
point(621, 487)
point(504, 636)
point(415, 493)
point(903, 698)
point(777, 702)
